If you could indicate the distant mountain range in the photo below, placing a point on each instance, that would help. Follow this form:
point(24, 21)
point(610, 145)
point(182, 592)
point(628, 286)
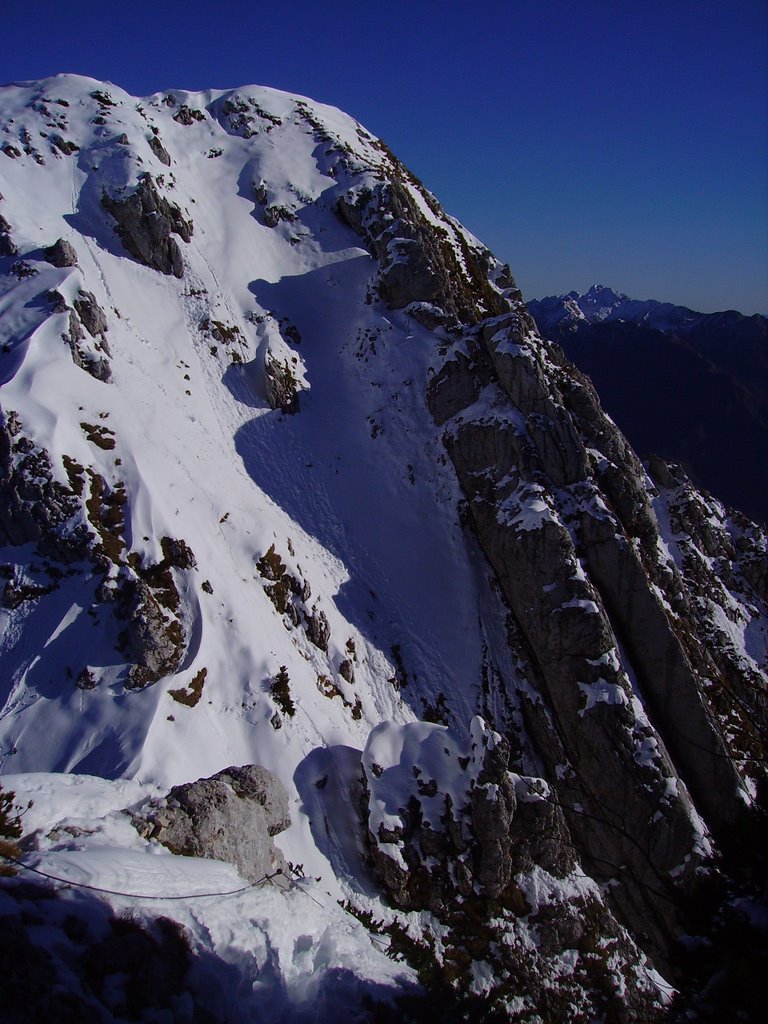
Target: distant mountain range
point(689, 386)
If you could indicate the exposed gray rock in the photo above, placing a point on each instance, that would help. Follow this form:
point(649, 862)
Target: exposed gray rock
point(188, 115)
point(65, 146)
point(274, 214)
point(153, 639)
point(432, 317)
point(159, 150)
point(61, 254)
point(231, 816)
point(318, 630)
point(145, 222)
point(91, 314)
point(93, 357)
point(347, 670)
point(177, 554)
point(417, 261)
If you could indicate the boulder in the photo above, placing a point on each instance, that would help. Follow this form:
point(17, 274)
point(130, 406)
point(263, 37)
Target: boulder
point(61, 254)
point(231, 816)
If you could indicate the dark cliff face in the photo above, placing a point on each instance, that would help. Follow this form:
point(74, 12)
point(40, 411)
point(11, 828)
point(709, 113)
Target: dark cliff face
point(647, 721)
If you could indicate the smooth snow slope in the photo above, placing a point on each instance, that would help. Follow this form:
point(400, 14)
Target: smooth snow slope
point(351, 491)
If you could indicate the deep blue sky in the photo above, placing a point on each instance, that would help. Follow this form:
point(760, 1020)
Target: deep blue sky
point(608, 141)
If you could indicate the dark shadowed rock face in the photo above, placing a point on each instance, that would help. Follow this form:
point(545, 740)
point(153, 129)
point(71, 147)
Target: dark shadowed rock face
point(561, 507)
point(33, 505)
point(281, 386)
point(631, 706)
point(231, 816)
point(7, 245)
point(145, 223)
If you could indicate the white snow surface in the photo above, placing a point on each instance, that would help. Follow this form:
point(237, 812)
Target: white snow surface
point(352, 492)
point(204, 458)
point(286, 939)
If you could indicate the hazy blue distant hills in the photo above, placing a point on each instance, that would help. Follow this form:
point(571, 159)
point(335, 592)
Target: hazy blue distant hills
point(690, 386)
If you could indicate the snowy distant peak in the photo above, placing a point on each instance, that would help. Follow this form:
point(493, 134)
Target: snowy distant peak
point(601, 304)
point(559, 315)
point(600, 297)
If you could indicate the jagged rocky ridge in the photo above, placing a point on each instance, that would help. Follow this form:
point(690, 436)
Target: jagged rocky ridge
point(605, 618)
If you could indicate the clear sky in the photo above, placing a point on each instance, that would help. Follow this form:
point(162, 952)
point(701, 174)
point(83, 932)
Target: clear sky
point(605, 141)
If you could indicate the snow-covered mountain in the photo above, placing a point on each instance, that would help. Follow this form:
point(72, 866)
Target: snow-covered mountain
point(691, 387)
point(604, 305)
point(601, 304)
point(290, 479)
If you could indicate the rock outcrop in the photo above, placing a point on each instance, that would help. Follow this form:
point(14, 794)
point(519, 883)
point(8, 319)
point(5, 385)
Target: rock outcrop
point(450, 830)
point(418, 261)
point(145, 223)
point(7, 245)
point(34, 506)
point(153, 639)
point(281, 386)
point(231, 816)
point(560, 506)
point(61, 254)
point(93, 356)
point(446, 822)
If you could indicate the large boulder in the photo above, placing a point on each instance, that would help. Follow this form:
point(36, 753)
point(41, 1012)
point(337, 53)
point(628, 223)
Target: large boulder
point(231, 816)
point(61, 254)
